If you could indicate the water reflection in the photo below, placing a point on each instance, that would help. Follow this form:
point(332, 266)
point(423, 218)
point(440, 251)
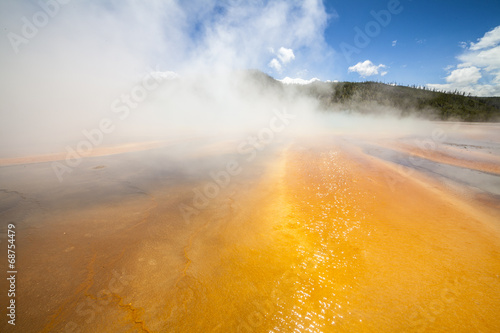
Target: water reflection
point(307, 238)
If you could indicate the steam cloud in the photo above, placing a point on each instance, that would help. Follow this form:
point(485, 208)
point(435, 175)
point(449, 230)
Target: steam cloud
point(67, 65)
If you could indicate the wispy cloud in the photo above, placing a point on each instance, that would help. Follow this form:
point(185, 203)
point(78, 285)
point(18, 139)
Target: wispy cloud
point(478, 71)
point(275, 64)
point(394, 42)
point(448, 68)
point(490, 39)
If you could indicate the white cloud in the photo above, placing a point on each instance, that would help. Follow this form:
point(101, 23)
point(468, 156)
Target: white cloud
point(367, 68)
point(285, 55)
point(488, 59)
point(244, 34)
point(275, 64)
point(491, 38)
point(288, 80)
point(448, 68)
point(478, 72)
point(394, 42)
point(464, 76)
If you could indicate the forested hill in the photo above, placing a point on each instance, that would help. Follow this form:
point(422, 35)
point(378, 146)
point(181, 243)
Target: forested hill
point(376, 97)
point(360, 96)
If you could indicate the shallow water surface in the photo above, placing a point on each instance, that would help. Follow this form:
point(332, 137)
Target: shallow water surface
point(321, 235)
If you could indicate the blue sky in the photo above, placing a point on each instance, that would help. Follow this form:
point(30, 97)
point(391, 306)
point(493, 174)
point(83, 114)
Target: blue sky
point(425, 42)
point(428, 35)
point(73, 58)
